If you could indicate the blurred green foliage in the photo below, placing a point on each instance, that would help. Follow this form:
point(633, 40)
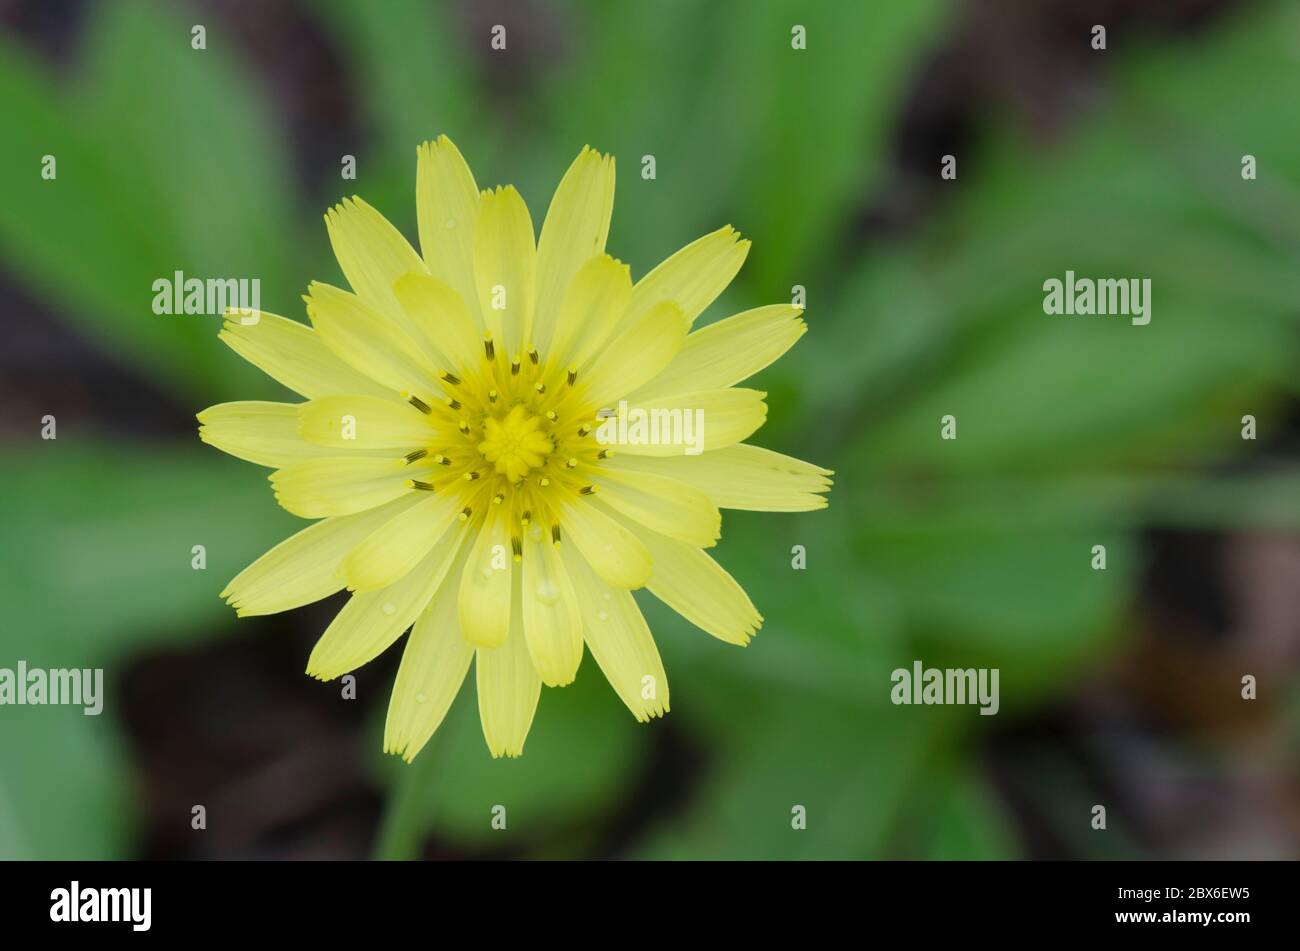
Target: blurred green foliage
point(970, 553)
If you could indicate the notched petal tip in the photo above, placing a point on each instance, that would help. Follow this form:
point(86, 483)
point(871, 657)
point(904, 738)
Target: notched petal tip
point(608, 260)
point(345, 205)
point(429, 146)
point(243, 610)
point(402, 748)
point(318, 670)
point(653, 713)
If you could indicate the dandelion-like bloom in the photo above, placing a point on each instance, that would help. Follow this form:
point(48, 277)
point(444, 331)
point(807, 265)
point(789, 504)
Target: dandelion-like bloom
point(449, 445)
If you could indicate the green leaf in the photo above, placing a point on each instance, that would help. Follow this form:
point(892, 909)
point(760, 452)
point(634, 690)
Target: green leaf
point(786, 162)
point(962, 820)
point(1266, 501)
point(821, 118)
point(65, 791)
point(165, 162)
point(97, 566)
point(1147, 186)
point(100, 546)
point(1001, 576)
point(414, 80)
point(790, 757)
point(819, 634)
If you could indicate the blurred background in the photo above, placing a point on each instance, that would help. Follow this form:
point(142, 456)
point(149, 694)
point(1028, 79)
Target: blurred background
point(1119, 687)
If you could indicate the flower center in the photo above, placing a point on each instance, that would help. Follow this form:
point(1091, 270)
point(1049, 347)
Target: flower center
point(515, 443)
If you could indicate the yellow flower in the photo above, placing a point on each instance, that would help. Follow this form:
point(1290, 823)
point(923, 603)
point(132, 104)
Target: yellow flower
point(457, 446)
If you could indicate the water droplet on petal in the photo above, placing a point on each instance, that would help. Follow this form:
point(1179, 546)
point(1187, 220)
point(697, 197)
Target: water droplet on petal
point(420, 698)
point(604, 615)
point(547, 592)
point(390, 608)
point(607, 596)
point(535, 532)
point(451, 223)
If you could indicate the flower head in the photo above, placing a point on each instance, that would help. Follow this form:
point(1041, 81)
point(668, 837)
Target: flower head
point(451, 446)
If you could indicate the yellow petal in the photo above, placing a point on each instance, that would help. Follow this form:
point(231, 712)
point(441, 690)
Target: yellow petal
point(293, 354)
point(505, 267)
point(665, 505)
point(434, 665)
point(619, 640)
point(442, 317)
point(508, 688)
point(615, 553)
point(372, 620)
point(700, 590)
point(552, 622)
point(636, 355)
point(728, 351)
point(340, 485)
point(693, 277)
point(592, 307)
point(742, 477)
point(576, 226)
point(372, 253)
point(485, 584)
point(304, 567)
point(724, 417)
point(446, 201)
point(364, 422)
point(377, 347)
point(397, 546)
point(256, 431)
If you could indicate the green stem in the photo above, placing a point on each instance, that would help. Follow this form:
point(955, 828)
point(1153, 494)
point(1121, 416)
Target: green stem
point(402, 829)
